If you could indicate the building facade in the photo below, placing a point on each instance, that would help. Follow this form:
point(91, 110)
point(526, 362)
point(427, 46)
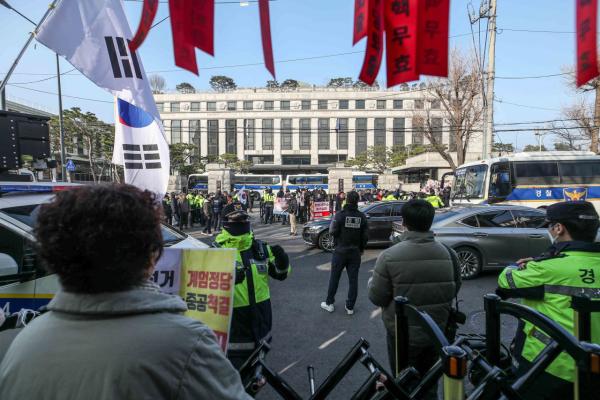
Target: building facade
point(307, 129)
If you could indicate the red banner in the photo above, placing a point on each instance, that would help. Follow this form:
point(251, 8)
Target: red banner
point(181, 21)
point(265, 31)
point(402, 32)
point(374, 52)
point(434, 18)
point(148, 13)
point(202, 30)
point(361, 15)
point(587, 54)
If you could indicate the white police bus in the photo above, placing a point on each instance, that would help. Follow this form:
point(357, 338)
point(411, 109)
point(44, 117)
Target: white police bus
point(363, 180)
point(257, 182)
point(198, 182)
point(23, 281)
point(535, 179)
point(307, 181)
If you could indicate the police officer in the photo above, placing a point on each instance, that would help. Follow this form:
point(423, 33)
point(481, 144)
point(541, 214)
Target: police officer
point(350, 234)
point(256, 262)
point(268, 204)
point(434, 199)
point(571, 266)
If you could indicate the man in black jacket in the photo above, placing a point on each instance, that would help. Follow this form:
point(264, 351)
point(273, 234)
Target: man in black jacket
point(350, 234)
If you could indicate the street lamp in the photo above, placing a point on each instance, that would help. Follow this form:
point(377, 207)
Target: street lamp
point(540, 136)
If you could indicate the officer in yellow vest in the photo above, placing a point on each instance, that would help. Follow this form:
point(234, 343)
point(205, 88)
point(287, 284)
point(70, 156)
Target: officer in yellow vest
point(256, 263)
point(268, 204)
point(571, 266)
point(434, 199)
point(389, 196)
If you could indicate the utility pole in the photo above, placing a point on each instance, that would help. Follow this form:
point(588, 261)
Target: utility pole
point(488, 11)
point(63, 167)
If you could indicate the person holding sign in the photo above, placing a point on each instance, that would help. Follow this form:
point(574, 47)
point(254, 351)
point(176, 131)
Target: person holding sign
point(106, 334)
point(256, 263)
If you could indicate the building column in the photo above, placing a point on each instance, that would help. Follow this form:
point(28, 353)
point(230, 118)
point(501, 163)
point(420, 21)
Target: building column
point(277, 141)
point(296, 134)
point(258, 134)
point(241, 140)
point(351, 138)
point(408, 131)
point(370, 132)
point(222, 137)
point(314, 141)
point(333, 136)
point(389, 132)
point(203, 138)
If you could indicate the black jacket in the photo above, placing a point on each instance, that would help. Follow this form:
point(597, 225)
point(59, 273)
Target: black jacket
point(349, 229)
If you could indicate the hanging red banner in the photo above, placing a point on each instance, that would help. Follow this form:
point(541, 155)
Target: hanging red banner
point(402, 32)
point(374, 52)
point(587, 53)
point(265, 31)
point(193, 25)
point(361, 16)
point(148, 13)
point(434, 18)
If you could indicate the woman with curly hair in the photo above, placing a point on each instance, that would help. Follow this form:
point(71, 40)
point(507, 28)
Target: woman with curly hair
point(110, 333)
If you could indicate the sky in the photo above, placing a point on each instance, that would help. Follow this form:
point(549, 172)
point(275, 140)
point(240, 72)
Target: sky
point(535, 38)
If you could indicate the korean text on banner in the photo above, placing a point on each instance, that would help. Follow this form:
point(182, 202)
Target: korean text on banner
point(204, 278)
point(321, 209)
point(587, 53)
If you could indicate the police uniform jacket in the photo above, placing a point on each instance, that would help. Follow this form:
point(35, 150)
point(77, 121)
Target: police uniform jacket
point(349, 229)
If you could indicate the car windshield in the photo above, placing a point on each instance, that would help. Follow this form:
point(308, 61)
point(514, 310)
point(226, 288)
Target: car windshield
point(469, 182)
point(28, 215)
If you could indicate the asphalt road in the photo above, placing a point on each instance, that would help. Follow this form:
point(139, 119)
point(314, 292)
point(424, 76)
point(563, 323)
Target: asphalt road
point(304, 334)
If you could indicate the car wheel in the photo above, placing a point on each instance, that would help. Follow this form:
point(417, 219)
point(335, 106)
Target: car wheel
point(470, 262)
point(326, 241)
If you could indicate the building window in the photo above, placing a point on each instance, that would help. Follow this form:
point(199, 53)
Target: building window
point(399, 129)
point(248, 105)
point(231, 105)
point(175, 107)
point(360, 143)
point(259, 160)
point(231, 136)
point(323, 134)
point(295, 160)
point(381, 104)
point(398, 105)
point(195, 106)
point(305, 134)
point(195, 140)
point(342, 133)
point(249, 134)
point(435, 105)
point(284, 104)
point(211, 106)
point(286, 134)
point(175, 131)
point(419, 104)
point(379, 138)
point(436, 130)
point(267, 134)
point(306, 104)
point(359, 104)
point(344, 104)
point(322, 105)
point(417, 135)
point(331, 158)
point(160, 107)
point(269, 105)
point(213, 139)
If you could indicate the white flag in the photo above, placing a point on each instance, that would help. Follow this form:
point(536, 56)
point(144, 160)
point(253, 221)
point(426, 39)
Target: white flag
point(94, 37)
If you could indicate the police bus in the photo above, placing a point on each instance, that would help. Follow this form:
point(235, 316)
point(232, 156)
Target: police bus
point(307, 181)
point(198, 182)
point(363, 180)
point(257, 182)
point(535, 179)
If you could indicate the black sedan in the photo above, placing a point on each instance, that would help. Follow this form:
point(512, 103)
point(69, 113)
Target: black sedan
point(381, 216)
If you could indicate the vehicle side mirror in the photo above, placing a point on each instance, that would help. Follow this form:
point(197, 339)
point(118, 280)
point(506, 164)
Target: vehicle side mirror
point(8, 265)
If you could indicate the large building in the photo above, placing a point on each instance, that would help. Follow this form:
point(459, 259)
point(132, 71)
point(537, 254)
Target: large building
point(308, 129)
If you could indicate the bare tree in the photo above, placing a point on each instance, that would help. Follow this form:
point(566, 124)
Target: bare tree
point(578, 129)
point(157, 83)
point(459, 100)
point(593, 111)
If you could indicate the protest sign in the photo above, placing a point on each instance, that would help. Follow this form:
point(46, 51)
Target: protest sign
point(204, 278)
point(321, 209)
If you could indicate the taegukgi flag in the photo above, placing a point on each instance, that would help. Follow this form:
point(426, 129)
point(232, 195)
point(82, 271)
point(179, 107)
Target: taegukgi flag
point(94, 37)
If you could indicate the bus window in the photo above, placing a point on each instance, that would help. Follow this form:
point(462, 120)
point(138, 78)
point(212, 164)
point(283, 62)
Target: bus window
point(537, 173)
point(580, 172)
point(500, 186)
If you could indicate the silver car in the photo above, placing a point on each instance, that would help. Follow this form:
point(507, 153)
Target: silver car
point(489, 236)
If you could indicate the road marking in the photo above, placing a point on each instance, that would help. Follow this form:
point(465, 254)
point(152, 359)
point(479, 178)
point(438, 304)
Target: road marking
point(324, 267)
point(375, 313)
point(333, 339)
point(289, 366)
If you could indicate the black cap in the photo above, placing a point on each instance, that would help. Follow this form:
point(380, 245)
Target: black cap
point(571, 210)
point(234, 212)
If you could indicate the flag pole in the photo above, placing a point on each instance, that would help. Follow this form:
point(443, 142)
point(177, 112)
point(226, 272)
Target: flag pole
point(29, 40)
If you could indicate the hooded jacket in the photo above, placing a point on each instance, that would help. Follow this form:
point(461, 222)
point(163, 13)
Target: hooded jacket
point(124, 345)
